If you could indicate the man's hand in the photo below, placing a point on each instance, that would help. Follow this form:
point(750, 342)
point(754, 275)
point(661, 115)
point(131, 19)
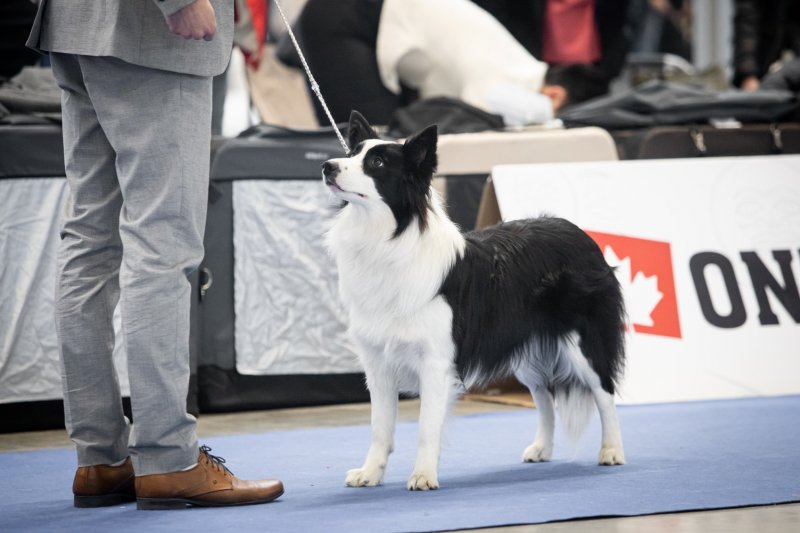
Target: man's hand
point(750, 83)
point(195, 21)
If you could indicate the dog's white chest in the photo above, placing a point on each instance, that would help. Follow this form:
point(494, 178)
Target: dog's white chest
point(390, 284)
point(385, 308)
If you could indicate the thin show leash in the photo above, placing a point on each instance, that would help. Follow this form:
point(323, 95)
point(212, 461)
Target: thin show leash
point(314, 84)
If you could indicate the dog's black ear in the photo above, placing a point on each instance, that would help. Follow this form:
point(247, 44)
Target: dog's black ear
point(359, 130)
point(420, 151)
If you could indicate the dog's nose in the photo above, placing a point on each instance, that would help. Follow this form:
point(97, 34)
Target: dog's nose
point(329, 168)
point(329, 171)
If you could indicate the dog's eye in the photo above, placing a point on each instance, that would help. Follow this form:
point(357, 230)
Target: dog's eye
point(376, 162)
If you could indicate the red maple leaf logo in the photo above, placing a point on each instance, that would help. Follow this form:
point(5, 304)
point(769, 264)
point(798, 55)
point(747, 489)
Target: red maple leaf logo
point(644, 270)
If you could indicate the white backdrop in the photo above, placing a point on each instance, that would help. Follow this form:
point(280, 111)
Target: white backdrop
point(656, 218)
point(30, 213)
point(289, 318)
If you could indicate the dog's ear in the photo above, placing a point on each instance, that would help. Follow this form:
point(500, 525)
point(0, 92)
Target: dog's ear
point(359, 130)
point(420, 151)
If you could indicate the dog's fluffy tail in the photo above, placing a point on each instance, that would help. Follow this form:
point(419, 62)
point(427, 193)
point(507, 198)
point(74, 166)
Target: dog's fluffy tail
point(575, 406)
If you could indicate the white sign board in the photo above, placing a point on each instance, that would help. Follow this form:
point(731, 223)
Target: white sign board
point(708, 254)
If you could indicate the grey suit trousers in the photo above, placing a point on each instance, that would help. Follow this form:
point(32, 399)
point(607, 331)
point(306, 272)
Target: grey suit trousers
point(136, 147)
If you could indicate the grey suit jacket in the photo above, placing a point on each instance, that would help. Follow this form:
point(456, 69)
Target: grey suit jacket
point(134, 31)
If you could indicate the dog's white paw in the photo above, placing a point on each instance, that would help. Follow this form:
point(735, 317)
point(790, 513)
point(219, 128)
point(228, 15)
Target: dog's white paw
point(536, 453)
point(610, 455)
point(423, 481)
point(362, 477)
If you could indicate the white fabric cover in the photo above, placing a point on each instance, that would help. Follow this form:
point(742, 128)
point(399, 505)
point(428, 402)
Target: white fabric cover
point(30, 210)
point(454, 48)
point(288, 315)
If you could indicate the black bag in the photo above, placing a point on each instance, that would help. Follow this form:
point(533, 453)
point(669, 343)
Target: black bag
point(664, 142)
point(31, 92)
point(451, 116)
point(665, 103)
point(787, 78)
point(30, 147)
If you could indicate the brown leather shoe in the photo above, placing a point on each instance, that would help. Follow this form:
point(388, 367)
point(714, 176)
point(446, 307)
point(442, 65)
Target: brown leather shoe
point(209, 484)
point(103, 485)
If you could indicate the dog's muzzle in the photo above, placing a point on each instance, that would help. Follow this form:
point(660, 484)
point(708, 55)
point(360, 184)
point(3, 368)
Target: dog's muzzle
point(329, 172)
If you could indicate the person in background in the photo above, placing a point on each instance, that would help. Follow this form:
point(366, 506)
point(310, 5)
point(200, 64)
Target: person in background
point(339, 40)
point(659, 26)
point(250, 31)
point(785, 78)
point(370, 54)
point(763, 31)
point(591, 32)
point(16, 17)
point(136, 105)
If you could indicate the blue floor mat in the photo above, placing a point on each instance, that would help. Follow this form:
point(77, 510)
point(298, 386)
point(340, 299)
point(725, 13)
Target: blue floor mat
point(681, 457)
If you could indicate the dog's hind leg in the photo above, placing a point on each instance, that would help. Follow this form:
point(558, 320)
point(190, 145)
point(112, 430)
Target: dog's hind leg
point(542, 447)
point(575, 349)
point(383, 391)
point(598, 345)
point(611, 452)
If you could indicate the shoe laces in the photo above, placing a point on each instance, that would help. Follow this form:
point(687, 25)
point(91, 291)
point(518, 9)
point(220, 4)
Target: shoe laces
point(216, 461)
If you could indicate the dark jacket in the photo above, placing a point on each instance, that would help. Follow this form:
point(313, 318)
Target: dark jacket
point(525, 20)
point(786, 78)
point(763, 29)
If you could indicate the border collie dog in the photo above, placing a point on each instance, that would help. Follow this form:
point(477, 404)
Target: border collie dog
point(432, 310)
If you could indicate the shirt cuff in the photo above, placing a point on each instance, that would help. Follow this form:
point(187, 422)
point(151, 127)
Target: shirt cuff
point(169, 7)
point(518, 106)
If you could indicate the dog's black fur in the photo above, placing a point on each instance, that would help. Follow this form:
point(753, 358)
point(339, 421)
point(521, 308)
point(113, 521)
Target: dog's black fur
point(534, 280)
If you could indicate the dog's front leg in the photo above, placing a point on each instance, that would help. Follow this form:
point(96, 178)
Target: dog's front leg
point(383, 393)
point(436, 390)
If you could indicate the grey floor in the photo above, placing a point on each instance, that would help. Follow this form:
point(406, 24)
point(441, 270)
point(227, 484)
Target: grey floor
point(772, 519)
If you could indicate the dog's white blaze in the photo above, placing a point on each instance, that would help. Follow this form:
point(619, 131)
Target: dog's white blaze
point(351, 177)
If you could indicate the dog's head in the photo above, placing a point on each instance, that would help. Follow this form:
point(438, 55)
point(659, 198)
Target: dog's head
point(380, 174)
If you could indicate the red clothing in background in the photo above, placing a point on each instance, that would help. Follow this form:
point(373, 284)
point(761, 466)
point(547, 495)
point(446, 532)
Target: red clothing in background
point(570, 33)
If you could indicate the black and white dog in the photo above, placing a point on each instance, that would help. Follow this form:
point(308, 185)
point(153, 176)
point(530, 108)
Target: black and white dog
point(433, 310)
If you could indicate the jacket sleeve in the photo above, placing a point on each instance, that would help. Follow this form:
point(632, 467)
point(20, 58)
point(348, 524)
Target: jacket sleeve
point(168, 7)
point(787, 78)
point(745, 40)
